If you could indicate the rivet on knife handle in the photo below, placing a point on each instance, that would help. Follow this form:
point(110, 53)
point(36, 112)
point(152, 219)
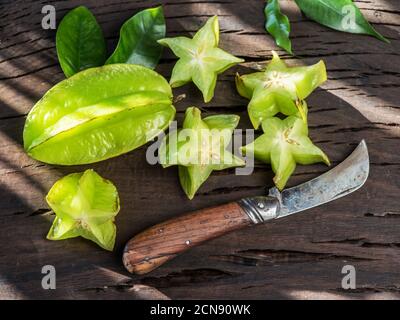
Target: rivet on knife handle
point(160, 243)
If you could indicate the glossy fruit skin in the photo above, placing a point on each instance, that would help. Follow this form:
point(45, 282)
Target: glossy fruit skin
point(200, 58)
point(279, 88)
point(85, 205)
point(284, 144)
point(98, 114)
point(206, 154)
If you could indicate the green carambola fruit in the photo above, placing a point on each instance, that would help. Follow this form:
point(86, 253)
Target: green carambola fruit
point(200, 59)
point(85, 205)
point(279, 89)
point(199, 148)
point(97, 114)
point(283, 144)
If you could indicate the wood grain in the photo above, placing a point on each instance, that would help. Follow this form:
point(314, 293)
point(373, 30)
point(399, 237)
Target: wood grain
point(160, 243)
point(298, 257)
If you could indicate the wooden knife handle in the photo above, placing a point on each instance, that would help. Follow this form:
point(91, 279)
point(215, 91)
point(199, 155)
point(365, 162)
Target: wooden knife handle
point(162, 242)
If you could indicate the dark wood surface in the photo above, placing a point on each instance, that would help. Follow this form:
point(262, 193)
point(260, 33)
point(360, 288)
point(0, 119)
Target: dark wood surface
point(160, 243)
point(298, 257)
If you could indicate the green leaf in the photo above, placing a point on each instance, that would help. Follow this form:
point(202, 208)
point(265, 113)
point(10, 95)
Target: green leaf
point(138, 39)
point(80, 42)
point(85, 205)
point(342, 15)
point(97, 114)
point(278, 25)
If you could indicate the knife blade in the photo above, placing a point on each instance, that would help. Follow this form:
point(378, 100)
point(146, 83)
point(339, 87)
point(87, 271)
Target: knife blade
point(345, 178)
point(162, 242)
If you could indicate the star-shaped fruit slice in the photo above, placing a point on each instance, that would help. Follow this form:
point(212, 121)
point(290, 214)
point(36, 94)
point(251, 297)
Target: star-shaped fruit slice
point(279, 89)
point(199, 148)
point(283, 144)
point(200, 59)
point(85, 205)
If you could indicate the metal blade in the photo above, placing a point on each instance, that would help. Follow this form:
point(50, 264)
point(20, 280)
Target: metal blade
point(345, 178)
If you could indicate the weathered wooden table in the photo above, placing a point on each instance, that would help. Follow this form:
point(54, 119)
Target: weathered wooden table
point(298, 257)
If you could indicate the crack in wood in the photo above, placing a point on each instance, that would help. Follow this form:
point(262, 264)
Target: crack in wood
point(386, 214)
point(41, 212)
point(321, 126)
point(384, 164)
point(118, 287)
point(137, 290)
point(361, 242)
point(262, 257)
point(367, 289)
point(30, 72)
point(354, 129)
point(188, 277)
point(30, 41)
point(320, 110)
point(12, 171)
point(38, 212)
point(17, 116)
point(26, 54)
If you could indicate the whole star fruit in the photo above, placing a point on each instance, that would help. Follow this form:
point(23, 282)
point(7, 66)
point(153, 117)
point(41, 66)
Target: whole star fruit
point(97, 114)
point(199, 148)
point(200, 59)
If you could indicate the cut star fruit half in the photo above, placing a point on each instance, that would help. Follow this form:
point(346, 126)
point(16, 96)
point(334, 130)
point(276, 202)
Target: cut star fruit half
point(279, 88)
point(200, 59)
point(85, 205)
point(284, 144)
point(199, 148)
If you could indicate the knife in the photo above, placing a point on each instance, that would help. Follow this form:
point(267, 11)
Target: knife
point(162, 242)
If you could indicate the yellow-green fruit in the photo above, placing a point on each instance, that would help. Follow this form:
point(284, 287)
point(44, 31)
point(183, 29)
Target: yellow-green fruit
point(97, 114)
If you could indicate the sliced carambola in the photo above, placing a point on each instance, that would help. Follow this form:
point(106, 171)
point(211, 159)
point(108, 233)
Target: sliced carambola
point(279, 88)
point(283, 144)
point(199, 148)
point(85, 205)
point(200, 59)
point(97, 114)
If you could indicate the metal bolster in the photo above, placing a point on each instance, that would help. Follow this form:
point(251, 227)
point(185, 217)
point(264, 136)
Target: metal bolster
point(260, 209)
